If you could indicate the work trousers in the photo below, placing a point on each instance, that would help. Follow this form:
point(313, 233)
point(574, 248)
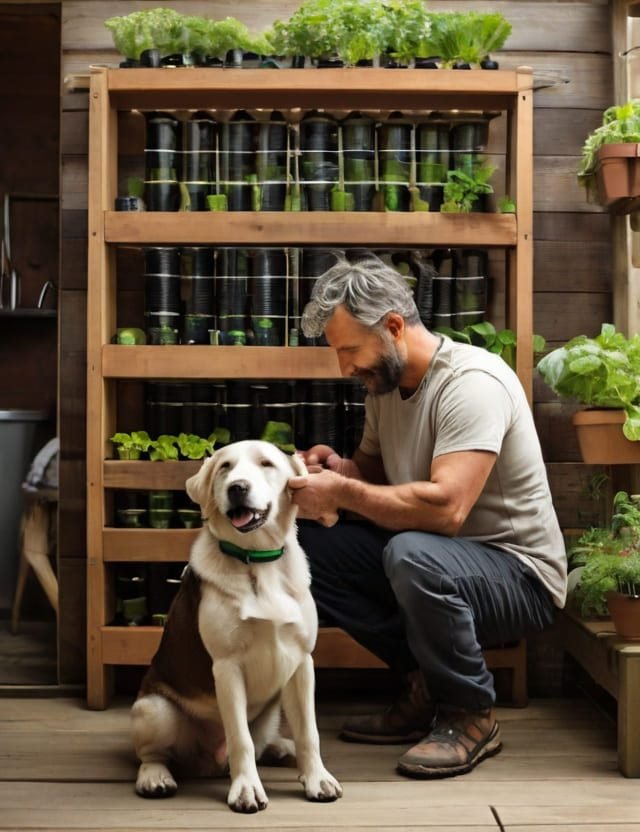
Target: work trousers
point(417, 599)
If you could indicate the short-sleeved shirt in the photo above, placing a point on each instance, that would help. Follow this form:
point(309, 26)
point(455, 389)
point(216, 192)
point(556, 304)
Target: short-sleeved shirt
point(471, 400)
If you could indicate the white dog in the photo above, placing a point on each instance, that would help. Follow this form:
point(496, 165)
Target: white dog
point(238, 640)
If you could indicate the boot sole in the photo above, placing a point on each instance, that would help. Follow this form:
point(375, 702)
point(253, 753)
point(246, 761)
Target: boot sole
point(492, 747)
point(382, 739)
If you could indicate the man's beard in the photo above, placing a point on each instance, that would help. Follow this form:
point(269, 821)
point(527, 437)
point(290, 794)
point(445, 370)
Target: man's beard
point(384, 376)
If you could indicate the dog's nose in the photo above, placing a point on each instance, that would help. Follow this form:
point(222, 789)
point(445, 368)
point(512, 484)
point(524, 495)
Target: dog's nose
point(238, 491)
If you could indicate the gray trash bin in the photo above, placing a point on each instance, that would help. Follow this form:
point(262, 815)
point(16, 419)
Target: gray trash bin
point(20, 439)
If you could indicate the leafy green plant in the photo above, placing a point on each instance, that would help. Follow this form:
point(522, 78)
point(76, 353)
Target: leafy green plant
point(408, 29)
point(620, 124)
point(164, 447)
point(351, 30)
point(152, 28)
point(279, 434)
point(463, 190)
point(599, 372)
point(484, 334)
point(466, 37)
point(195, 447)
point(506, 205)
point(609, 557)
point(131, 445)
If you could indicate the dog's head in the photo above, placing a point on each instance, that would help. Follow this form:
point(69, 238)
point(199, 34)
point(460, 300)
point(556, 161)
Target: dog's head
point(242, 489)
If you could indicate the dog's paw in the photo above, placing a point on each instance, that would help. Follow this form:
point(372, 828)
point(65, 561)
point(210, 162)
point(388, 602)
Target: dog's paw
point(247, 795)
point(155, 780)
point(321, 786)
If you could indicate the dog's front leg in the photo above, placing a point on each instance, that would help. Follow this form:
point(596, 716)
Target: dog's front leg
point(298, 703)
point(246, 793)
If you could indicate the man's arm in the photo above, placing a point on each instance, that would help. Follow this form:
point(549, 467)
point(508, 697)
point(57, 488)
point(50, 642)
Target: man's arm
point(440, 504)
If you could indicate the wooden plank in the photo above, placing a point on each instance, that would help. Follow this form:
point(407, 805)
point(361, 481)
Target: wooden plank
point(142, 474)
point(561, 315)
point(280, 228)
point(209, 362)
point(572, 266)
point(580, 495)
point(147, 545)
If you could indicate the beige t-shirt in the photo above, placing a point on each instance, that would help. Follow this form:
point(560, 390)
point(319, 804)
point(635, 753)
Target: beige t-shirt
point(468, 400)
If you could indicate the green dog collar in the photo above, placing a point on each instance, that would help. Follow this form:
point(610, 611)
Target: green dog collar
point(250, 555)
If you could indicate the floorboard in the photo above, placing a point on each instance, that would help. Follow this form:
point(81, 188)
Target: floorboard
point(63, 767)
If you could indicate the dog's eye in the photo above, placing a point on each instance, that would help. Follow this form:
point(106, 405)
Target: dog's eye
point(266, 463)
point(224, 466)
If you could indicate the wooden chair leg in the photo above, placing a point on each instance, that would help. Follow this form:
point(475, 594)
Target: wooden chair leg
point(34, 552)
point(23, 571)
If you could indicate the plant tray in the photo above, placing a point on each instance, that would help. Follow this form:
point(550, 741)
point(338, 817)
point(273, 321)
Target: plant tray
point(618, 173)
point(601, 439)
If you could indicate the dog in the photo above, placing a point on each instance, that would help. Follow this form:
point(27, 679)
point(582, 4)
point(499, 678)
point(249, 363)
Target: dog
point(236, 647)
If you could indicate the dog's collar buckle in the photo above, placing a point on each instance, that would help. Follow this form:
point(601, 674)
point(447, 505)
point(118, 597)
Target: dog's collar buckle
point(250, 555)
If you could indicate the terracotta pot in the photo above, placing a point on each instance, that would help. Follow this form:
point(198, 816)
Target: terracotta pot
point(625, 614)
point(618, 173)
point(601, 439)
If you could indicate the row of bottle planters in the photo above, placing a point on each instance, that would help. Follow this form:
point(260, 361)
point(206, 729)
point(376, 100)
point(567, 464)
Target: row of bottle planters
point(144, 592)
point(355, 164)
point(313, 411)
point(201, 295)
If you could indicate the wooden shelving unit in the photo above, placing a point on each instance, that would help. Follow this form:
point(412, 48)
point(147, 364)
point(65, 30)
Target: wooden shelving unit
point(114, 90)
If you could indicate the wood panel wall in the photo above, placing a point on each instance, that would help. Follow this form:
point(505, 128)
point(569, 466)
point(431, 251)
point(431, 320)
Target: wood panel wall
point(568, 45)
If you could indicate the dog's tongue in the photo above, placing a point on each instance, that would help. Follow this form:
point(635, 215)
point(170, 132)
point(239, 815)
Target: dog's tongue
point(241, 519)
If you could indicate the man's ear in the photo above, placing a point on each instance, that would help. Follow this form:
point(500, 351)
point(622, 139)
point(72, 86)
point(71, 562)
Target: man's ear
point(200, 486)
point(394, 324)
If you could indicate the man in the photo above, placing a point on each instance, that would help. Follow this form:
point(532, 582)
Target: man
point(450, 541)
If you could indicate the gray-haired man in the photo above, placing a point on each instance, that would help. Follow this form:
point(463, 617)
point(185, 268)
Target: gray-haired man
point(452, 543)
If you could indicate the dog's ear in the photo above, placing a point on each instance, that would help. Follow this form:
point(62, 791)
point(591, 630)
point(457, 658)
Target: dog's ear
point(199, 485)
point(299, 468)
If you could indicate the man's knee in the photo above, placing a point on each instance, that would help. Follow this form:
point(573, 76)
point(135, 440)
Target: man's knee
point(410, 566)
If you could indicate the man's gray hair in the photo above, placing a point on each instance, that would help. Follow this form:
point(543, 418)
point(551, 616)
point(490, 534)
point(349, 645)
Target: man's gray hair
point(368, 289)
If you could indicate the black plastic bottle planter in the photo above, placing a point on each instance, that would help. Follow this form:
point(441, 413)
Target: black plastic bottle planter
point(319, 160)
point(161, 162)
point(269, 297)
point(162, 294)
point(432, 161)
point(164, 402)
point(470, 299)
point(468, 143)
point(313, 263)
point(232, 294)
point(358, 150)
point(197, 294)
point(445, 262)
point(237, 170)
point(271, 164)
point(394, 154)
point(198, 159)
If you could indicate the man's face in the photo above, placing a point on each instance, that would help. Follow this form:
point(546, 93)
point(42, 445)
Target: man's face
point(364, 354)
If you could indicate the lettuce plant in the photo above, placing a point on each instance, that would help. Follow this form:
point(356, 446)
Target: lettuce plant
point(153, 28)
point(599, 372)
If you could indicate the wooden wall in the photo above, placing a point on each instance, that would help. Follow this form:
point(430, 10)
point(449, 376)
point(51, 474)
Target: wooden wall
point(568, 44)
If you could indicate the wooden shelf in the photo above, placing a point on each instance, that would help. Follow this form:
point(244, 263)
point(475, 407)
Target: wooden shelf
point(207, 362)
point(373, 91)
point(23, 312)
point(142, 474)
point(136, 646)
point(147, 545)
point(350, 88)
point(394, 229)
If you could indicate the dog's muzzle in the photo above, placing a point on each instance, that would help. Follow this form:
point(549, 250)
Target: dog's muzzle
point(243, 516)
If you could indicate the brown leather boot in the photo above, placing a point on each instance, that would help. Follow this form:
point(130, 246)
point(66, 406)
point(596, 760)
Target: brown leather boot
point(406, 720)
point(458, 741)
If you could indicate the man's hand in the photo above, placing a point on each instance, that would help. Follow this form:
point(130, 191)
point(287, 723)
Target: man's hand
point(315, 496)
point(321, 457)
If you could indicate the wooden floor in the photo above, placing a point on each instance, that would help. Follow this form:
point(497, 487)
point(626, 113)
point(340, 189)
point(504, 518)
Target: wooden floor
point(63, 767)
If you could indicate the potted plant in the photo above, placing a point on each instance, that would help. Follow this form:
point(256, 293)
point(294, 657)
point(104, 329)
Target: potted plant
point(131, 445)
point(610, 163)
point(602, 373)
point(608, 565)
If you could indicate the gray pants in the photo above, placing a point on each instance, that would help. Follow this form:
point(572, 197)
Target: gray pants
point(421, 599)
